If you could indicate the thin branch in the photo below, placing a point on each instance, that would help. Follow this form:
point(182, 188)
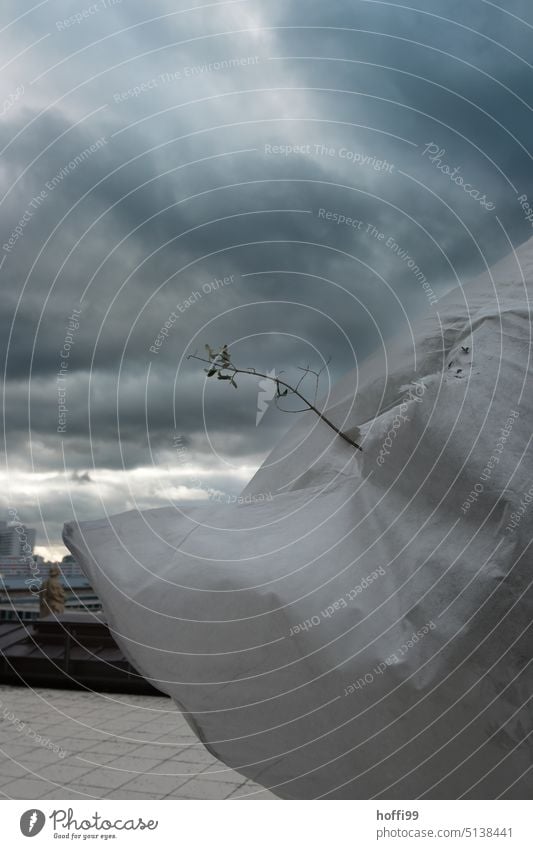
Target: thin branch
point(221, 364)
point(283, 410)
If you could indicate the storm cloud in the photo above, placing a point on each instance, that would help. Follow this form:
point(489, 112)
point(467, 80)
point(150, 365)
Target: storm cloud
point(282, 177)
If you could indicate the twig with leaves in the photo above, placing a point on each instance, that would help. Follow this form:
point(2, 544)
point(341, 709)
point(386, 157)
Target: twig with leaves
point(221, 367)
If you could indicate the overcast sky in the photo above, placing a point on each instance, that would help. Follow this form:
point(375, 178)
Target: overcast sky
point(148, 150)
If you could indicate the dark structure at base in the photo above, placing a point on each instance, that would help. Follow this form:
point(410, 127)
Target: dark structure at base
point(70, 650)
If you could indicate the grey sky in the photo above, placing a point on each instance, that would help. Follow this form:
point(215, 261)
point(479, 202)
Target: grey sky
point(181, 190)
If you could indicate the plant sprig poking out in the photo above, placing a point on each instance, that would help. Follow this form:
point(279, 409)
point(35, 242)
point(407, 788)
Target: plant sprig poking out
point(220, 366)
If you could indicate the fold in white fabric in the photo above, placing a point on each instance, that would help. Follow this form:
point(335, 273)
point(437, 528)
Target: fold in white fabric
point(359, 625)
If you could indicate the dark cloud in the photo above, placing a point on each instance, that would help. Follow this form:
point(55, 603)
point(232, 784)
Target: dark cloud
point(181, 192)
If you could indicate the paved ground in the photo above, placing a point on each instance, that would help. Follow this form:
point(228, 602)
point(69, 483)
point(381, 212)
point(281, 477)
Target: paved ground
point(68, 744)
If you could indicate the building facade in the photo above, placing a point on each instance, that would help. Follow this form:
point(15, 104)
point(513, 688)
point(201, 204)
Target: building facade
point(16, 540)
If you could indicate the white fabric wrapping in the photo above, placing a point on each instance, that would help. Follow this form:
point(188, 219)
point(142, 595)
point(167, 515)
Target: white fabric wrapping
point(353, 629)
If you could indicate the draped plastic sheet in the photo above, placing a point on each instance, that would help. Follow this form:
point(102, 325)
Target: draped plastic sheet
point(353, 629)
